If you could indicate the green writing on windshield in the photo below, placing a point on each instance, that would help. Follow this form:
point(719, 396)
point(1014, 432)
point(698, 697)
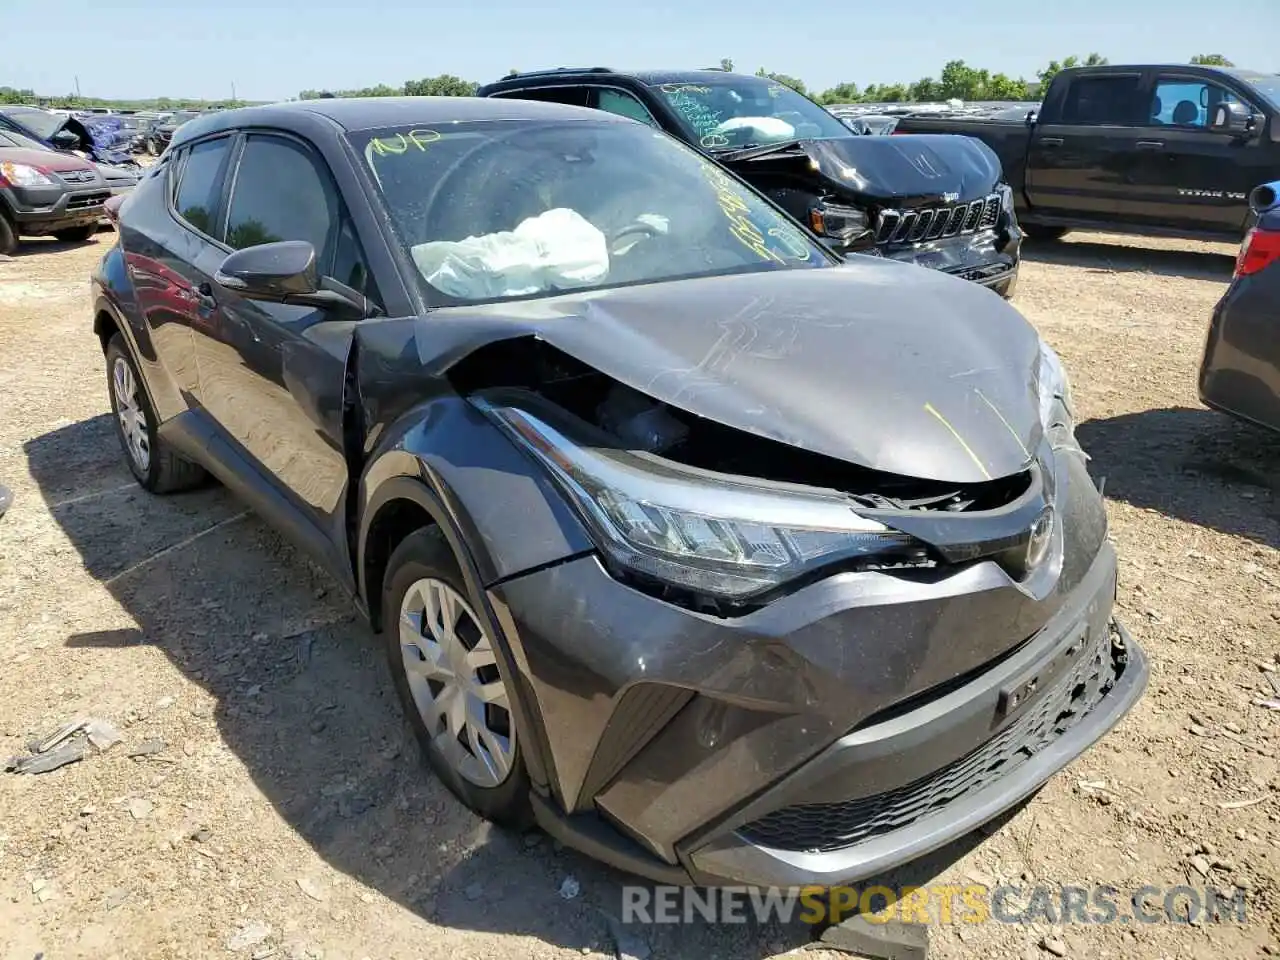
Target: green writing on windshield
point(690, 100)
point(401, 142)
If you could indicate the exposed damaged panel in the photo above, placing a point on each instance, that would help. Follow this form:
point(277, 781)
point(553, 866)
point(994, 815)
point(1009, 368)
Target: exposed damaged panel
point(639, 422)
point(839, 372)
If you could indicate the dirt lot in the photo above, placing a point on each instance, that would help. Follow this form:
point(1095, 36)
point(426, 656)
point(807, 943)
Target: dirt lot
point(286, 794)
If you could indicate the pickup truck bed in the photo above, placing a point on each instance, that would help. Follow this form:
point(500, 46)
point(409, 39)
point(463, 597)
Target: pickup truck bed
point(1163, 151)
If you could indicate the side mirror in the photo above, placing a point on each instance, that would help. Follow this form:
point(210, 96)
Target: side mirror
point(1234, 119)
point(65, 140)
point(285, 272)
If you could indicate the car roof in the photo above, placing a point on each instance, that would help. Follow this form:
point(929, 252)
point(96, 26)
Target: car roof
point(650, 78)
point(364, 113)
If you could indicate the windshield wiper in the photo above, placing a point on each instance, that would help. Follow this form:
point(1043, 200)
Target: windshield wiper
point(752, 150)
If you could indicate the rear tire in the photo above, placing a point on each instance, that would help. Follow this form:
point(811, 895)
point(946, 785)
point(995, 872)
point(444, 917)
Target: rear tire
point(422, 590)
point(8, 235)
point(1044, 233)
point(77, 234)
point(153, 463)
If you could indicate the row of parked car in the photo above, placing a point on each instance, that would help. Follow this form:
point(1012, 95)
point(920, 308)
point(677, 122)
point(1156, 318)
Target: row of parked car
point(699, 529)
point(58, 167)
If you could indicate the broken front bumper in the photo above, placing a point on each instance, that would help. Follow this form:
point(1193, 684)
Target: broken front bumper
point(789, 840)
point(989, 256)
point(851, 725)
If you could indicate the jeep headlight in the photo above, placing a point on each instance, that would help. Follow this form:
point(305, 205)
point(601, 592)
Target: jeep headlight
point(840, 223)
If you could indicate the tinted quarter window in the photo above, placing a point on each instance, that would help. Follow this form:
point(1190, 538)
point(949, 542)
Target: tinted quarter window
point(280, 193)
point(349, 264)
point(1103, 100)
point(201, 185)
point(573, 96)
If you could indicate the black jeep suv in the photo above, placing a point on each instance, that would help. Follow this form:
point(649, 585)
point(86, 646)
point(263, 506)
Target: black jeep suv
point(936, 201)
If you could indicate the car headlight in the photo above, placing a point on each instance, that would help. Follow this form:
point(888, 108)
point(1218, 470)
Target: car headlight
point(1006, 196)
point(712, 533)
point(1057, 412)
point(838, 222)
point(24, 175)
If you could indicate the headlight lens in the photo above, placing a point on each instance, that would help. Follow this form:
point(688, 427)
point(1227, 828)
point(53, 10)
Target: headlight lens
point(1057, 411)
point(1006, 196)
point(24, 175)
point(708, 532)
point(838, 222)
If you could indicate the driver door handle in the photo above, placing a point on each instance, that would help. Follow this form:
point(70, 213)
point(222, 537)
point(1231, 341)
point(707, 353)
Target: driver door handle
point(1150, 144)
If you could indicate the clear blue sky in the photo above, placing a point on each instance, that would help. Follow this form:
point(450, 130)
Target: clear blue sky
point(271, 49)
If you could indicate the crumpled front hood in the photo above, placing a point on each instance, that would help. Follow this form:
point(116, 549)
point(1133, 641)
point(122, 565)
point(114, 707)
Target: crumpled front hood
point(884, 365)
point(914, 168)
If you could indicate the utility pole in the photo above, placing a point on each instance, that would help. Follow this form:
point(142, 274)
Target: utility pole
point(77, 88)
point(233, 93)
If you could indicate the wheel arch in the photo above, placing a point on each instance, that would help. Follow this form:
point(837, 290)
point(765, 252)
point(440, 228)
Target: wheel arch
point(399, 506)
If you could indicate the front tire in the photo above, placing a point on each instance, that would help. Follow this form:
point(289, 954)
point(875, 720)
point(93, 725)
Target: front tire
point(8, 235)
point(153, 463)
point(454, 685)
point(77, 234)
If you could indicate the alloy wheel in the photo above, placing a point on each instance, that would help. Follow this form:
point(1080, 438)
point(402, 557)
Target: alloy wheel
point(133, 420)
point(452, 671)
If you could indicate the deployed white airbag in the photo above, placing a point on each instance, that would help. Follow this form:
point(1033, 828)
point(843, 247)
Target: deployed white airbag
point(772, 127)
point(556, 250)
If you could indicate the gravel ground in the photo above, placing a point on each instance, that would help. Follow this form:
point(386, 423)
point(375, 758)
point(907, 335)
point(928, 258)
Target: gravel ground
point(284, 812)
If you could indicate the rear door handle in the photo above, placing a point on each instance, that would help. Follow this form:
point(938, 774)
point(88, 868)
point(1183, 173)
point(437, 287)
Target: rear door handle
point(1050, 141)
point(1150, 144)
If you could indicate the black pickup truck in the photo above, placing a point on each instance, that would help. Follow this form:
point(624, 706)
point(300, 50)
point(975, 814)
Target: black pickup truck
point(1156, 150)
point(934, 201)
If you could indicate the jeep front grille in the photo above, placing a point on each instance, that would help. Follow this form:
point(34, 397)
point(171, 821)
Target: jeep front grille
point(938, 223)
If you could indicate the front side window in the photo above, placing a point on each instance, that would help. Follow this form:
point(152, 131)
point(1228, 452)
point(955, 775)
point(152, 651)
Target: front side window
point(1182, 102)
point(737, 112)
point(517, 208)
point(200, 186)
point(278, 194)
point(282, 191)
point(1103, 101)
point(623, 104)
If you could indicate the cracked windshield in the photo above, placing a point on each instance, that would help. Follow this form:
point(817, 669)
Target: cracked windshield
point(747, 112)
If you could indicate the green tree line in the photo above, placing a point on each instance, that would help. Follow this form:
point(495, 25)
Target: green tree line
point(957, 80)
point(445, 85)
point(72, 102)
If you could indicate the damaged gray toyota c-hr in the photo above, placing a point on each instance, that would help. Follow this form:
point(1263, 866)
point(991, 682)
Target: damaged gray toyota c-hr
point(723, 559)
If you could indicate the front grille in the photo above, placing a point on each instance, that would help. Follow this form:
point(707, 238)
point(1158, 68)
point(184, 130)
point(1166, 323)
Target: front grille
point(76, 176)
point(938, 223)
point(824, 827)
point(87, 201)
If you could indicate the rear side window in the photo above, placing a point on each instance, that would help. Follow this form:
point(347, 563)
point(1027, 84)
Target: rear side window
point(1106, 100)
point(200, 187)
